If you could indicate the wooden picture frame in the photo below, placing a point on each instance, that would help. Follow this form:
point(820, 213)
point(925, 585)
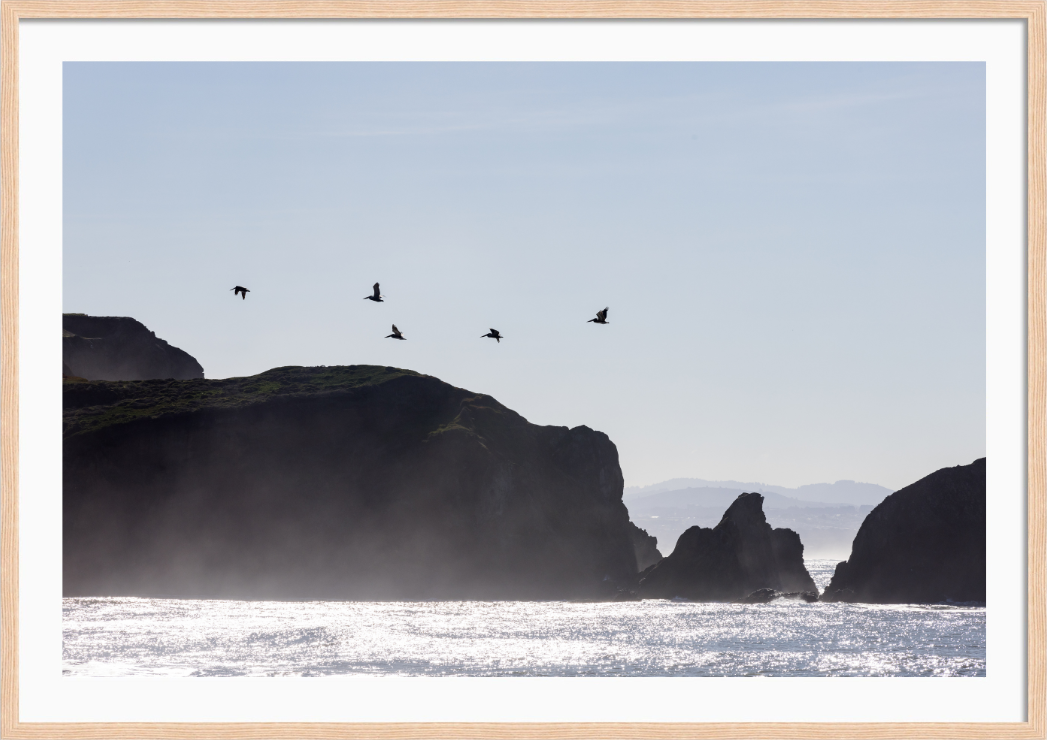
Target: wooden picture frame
point(1032, 12)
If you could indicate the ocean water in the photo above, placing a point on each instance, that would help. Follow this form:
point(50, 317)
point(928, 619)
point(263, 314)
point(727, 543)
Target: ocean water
point(175, 637)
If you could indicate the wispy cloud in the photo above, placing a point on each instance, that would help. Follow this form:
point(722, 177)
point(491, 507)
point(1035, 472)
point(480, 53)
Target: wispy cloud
point(655, 113)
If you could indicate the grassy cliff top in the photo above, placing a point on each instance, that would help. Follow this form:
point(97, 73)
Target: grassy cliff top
point(91, 405)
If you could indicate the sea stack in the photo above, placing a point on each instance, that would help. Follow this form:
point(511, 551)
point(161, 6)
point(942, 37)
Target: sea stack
point(120, 348)
point(335, 483)
point(923, 544)
point(738, 556)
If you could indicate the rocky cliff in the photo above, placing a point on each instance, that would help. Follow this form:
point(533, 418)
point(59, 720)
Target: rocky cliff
point(120, 348)
point(922, 544)
point(333, 483)
point(738, 556)
point(645, 547)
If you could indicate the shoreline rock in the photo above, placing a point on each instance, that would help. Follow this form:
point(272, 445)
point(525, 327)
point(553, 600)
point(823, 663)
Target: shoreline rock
point(923, 544)
point(767, 595)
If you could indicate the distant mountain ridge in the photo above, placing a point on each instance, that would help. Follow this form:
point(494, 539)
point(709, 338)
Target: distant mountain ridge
point(846, 492)
point(719, 498)
point(826, 515)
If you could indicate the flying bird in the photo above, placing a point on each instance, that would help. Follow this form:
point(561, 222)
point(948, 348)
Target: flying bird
point(241, 290)
point(601, 318)
point(396, 334)
point(377, 298)
point(493, 335)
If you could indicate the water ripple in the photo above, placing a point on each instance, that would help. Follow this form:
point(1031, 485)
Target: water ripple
point(168, 637)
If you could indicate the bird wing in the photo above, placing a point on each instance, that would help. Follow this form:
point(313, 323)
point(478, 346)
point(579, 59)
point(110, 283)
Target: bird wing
point(395, 330)
point(603, 314)
point(376, 291)
point(494, 331)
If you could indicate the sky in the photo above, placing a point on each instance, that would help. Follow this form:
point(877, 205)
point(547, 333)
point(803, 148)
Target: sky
point(793, 254)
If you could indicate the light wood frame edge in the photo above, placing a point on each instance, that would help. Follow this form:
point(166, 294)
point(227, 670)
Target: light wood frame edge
point(160, 9)
point(1034, 12)
point(8, 370)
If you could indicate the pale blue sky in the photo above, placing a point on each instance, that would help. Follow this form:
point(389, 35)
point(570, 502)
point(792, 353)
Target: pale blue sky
point(793, 254)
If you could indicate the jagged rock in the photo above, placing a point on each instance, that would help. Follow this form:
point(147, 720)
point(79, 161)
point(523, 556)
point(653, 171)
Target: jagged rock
point(738, 556)
point(646, 548)
point(333, 483)
point(120, 348)
point(923, 544)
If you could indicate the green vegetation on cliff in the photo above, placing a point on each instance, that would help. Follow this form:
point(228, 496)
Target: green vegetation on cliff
point(93, 405)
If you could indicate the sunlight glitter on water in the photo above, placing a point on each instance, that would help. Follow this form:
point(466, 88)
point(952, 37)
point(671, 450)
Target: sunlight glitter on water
point(161, 637)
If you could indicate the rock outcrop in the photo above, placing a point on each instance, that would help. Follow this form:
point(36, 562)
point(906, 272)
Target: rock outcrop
point(333, 483)
point(922, 544)
point(120, 348)
point(646, 548)
point(767, 595)
point(738, 556)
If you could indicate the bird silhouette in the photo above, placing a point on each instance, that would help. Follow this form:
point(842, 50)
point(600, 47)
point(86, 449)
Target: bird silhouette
point(241, 290)
point(377, 298)
point(396, 334)
point(493, 335)
point(601, 318)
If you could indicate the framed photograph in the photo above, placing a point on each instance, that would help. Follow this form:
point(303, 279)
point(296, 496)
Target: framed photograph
point(757, 449)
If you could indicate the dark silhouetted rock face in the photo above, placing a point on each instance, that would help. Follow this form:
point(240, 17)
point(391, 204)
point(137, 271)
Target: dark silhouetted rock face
point(333, 483)
point(120, 348)
point(923, 544)
point(738, 556)
point(646, 548)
